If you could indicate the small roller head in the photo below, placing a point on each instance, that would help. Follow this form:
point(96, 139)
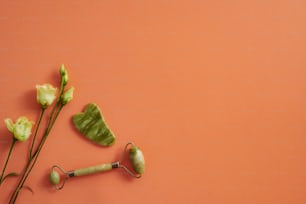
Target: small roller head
point(54, 177)
point(137, 160)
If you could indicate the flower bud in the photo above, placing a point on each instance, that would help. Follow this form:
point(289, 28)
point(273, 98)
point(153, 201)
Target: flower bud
point(46, 94)
point(64, 74)
point(21, 129)
point(67, 96)
point(63, 70)
point(65, 79)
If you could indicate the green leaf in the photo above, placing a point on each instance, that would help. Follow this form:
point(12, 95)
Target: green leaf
point(28, 188)
point(12, 174)
point(92, 125)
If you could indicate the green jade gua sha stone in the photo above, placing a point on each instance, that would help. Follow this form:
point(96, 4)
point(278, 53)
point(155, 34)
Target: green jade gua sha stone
point(92, 125)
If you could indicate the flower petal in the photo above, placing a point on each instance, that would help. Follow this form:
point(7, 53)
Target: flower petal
point(9, 124)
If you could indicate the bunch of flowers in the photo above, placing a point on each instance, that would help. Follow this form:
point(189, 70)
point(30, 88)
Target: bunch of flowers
point(22, 128)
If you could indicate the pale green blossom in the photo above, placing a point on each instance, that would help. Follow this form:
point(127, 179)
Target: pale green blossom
point(21, 129)
point(46, 94)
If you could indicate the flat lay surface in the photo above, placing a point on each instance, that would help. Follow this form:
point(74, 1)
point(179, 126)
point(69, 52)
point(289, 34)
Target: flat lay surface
point(213, 92)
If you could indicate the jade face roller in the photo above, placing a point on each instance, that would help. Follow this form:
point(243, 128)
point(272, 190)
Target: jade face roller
point(135, 156)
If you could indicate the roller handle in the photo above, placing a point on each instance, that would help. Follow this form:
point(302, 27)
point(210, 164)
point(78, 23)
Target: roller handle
point(93, 169)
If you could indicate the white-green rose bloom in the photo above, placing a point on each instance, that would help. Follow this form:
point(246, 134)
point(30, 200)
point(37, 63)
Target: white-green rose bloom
point(46, 94)
point(21, 129)
point(67, 96)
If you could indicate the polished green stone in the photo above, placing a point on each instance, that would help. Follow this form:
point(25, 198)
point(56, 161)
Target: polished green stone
point(92, 125)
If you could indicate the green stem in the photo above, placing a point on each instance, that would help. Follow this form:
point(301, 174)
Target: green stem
point(17, 189)
point(7, 159)
point(49, 127)
point(33, 161)
point(56, 104)
point(26, 169)
point(36, 130)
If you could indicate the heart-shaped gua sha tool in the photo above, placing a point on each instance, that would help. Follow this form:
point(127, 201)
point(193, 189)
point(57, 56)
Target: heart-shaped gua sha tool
point(92, 125)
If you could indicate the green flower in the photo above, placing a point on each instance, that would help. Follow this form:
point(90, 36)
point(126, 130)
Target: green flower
point(21, 129)
point(46, 94)
point(67, 96)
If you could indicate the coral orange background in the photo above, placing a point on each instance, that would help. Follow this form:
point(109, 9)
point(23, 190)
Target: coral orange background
point(214, 92)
